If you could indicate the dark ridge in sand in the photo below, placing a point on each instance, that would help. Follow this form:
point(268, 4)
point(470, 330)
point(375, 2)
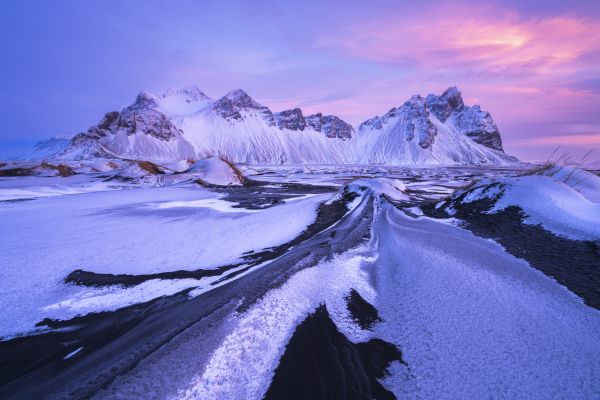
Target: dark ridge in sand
point(573, 263)
point(41, 356)
point(87, 278)
point(327, 215)
point(11, 172)
point(362, 312)
point(321, 363)
point(61, 169)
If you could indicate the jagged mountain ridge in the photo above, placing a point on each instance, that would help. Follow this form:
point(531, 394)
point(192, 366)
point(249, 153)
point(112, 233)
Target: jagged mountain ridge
point(471, 121)
point(187, 124)
point(432, 130)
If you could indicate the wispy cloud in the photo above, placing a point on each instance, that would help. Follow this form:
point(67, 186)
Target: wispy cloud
point(561, 140)
point(481, 39)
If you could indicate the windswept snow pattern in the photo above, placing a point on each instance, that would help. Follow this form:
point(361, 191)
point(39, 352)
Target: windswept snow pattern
point(475, 322)
point(243, 365)
point(459, 314)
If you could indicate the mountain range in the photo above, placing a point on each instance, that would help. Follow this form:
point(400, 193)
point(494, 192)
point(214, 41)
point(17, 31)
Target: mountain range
point(187, 124)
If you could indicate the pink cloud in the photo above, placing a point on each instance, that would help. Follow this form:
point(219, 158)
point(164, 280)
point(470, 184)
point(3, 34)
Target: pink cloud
point(483, 39)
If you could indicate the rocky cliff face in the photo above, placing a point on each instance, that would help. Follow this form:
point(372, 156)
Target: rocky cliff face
point(479, 126)
point(290, 119)
point(236, 103)
point(332, 126)
point(443, 106)
point(413, 120)
point(140, 117)
point(471, 121)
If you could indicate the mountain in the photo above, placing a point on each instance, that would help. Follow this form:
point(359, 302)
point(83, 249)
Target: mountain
point(241, 129)
point(187, 124)
point(432, 130)
point(42, 149)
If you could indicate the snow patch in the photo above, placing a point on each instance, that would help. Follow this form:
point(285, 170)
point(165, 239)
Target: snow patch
point(215, 171)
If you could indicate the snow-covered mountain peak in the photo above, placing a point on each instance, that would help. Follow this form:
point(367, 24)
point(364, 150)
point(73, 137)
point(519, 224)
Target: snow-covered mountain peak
point(240, 99)
point(188, 94)
point(415, 121)
point(443, 106)
point(473, 122)
point(237, 104)
point(144, 101)
point(436, 129)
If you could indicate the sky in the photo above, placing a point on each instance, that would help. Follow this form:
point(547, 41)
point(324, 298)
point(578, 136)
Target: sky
point(534, 65)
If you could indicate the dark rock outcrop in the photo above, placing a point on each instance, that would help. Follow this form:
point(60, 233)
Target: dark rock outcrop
point(321, 363)
point(290, 119)
point(330, 125)
point(479, 127)
point(417, 123)
point(140, 117)
point(231, 105)
point(443, 106)
point(225, 108)
point(470, 121)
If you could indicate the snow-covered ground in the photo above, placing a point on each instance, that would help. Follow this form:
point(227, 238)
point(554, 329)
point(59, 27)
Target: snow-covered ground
point(471, 319)
point(119, 230)
point(475, 322)
point(565, 202)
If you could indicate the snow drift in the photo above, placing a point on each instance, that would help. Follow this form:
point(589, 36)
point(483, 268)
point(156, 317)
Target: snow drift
point(565, 202)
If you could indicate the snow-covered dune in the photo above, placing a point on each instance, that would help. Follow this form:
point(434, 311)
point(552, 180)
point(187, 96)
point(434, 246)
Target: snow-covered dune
point(565, 202)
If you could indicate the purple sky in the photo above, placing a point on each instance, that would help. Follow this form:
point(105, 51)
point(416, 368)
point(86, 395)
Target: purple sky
point(535, 65)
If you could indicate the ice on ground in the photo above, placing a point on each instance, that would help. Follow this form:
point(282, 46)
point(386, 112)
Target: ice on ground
point(213, 203)
point(73, 353)
point(566, 203)
point(126, 232)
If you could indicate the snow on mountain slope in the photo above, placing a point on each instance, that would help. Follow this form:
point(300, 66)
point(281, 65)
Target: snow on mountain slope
point(43, 149)
point(181, 102)
point(187, 124)
point(244, 131)
point(412, 134)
